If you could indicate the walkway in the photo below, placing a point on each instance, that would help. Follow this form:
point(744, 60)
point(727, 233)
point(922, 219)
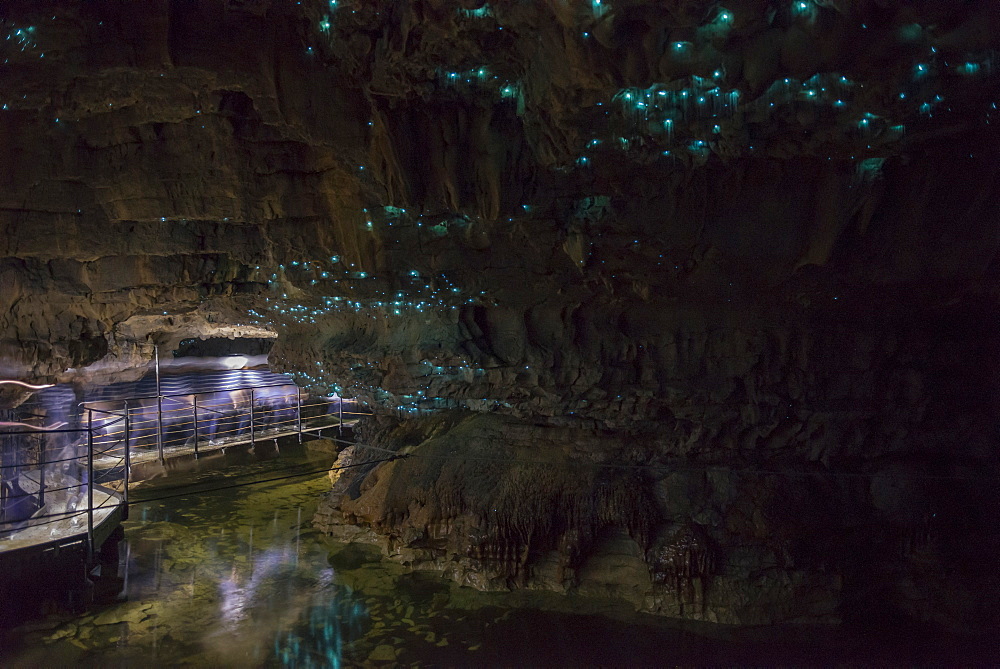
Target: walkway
point(61, 486)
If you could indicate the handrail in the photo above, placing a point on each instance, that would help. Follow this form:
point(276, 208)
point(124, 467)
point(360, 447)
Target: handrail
point(43, 431)
point(83, 404)
point(202, 392)
point(112, 434)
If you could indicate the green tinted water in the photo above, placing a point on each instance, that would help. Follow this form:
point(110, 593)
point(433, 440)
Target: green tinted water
point(238, 578)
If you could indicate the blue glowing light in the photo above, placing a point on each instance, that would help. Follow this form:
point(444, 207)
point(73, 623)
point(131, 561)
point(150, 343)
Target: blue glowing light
point(805, 10)
point(869, 168)
point(969, 69)
point(479, 13)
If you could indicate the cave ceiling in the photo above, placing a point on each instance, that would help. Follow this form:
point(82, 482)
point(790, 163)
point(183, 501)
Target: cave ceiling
point(597, 212)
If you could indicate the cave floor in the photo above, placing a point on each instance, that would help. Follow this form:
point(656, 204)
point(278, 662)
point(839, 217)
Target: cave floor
point(238, 577)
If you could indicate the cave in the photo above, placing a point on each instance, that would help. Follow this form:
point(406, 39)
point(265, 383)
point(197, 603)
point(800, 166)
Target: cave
point(680, 311)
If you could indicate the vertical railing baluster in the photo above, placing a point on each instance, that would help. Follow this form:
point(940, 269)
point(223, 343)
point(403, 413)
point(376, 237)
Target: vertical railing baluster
point(298, 411)
point(159, 407)
point(128, 460)
point(252, 442)
point(195, 405)
point(90, 483)
point(41, 477)
point(340, 409)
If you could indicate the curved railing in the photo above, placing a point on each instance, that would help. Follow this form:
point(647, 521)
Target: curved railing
point(58, 482)
point(50, 490)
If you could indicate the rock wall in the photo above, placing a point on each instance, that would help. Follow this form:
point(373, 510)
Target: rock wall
point(729, 271)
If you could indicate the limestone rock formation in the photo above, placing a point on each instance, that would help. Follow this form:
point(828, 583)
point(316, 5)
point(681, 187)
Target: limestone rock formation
point(685, 302)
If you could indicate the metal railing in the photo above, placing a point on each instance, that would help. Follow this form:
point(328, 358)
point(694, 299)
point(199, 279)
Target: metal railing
point(59, 478)
point(193, 421)
point(47, 498)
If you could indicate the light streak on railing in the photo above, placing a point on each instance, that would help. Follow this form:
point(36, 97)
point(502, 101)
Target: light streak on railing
point(27, 385)
point(43, 428)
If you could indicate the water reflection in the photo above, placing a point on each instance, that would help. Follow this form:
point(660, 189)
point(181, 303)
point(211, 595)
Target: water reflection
point(239, 578)
point(234, 576)
point(320, 640)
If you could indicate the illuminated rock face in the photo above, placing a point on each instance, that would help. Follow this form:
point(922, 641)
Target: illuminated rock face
point(743, 252)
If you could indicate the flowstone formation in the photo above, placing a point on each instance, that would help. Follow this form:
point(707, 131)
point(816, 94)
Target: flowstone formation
point(686, 303)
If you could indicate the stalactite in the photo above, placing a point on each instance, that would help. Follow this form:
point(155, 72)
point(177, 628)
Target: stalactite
point(517, 510)
point(680, 558)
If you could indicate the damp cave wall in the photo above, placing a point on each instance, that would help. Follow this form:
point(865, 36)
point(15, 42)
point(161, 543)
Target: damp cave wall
point(798, 303)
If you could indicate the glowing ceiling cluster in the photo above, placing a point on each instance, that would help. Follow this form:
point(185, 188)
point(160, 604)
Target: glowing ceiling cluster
point(825, 88)
point(480, 80)
point(979, 65)
point(696, 115)
point(22, 38)
point(353, 290)
point(400, 221)
point(660, 108)
point(804, 10)
point(479, 13)
point(18, 40)
point(868, 169)
point(464, 383)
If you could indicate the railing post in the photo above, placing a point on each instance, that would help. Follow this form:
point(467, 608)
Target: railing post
point(195, 405)
point(41, 479)
point(298, 411)
point(253, 444)
point(90, 484)
point(128, 460)
point(159, 407)
point(159, 426)
point(340, 409)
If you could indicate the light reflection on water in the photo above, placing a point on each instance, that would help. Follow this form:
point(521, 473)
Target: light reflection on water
point(234, 577)
point(320, 641)
point(250, 581)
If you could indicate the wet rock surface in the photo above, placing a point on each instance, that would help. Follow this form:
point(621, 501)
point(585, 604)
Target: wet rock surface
point(706, 288)
point(497, 505)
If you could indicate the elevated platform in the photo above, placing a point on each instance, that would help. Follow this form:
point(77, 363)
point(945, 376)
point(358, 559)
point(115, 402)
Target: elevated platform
point(55, 539)
point(139, 457)
point(64, 491)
